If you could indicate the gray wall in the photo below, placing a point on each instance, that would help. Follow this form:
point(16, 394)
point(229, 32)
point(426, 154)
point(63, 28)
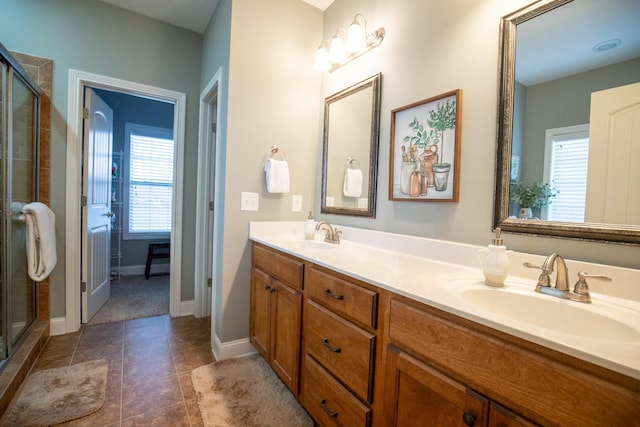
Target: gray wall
point(95, 37)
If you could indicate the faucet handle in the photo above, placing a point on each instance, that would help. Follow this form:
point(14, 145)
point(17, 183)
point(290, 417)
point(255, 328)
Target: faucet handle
point(544, 279)
point(581, 287)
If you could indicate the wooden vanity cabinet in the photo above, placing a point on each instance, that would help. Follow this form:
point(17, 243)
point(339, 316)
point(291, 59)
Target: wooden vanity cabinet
point(276, 312)
point(535, 383)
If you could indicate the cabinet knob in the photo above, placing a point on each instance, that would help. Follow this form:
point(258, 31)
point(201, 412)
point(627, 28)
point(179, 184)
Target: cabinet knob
point(330, 294)
point(325, 342)
point(267, 288)
point(469, 419)
point(323, 405)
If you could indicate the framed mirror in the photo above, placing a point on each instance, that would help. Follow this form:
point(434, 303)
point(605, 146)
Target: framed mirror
point(570, 72)
point(350, 151)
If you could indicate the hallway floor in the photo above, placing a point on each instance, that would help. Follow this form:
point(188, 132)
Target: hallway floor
point(150, 363)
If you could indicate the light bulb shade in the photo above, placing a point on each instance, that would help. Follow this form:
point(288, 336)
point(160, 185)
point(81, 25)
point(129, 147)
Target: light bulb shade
point(322, 60)
point(336, 53)
point(355, 38)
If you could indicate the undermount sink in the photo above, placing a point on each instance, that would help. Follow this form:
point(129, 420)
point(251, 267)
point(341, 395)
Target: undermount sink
point(597, 321)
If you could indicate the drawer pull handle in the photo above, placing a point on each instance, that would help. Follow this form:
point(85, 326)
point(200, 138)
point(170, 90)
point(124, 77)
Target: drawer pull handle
point(323, 405)
point(325, 342)
point(332, 295)
point(469, 419)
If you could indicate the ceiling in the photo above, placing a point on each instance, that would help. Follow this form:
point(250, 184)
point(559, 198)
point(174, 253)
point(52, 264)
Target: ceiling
point(193, 15)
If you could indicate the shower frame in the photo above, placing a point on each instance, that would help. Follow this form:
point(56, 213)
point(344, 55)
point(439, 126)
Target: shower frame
point(11, 340)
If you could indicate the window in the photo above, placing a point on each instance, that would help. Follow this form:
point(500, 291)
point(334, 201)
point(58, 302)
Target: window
point(566, 161)
point(149, 183)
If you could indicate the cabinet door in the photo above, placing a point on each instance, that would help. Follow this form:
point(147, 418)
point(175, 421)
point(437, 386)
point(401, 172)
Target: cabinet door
point(260, 324)
point(415, 391)
point(285, 333)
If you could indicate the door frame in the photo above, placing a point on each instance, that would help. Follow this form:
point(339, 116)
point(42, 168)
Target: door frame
point(209, 98)
point(78, 80)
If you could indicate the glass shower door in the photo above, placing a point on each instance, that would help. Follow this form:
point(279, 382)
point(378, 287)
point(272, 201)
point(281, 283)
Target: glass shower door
point(22, 300)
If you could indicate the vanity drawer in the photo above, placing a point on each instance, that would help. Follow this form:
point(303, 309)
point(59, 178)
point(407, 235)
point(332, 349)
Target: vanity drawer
point(288, 269)
point(328, 401)
point(344, 349)
point(343, 297)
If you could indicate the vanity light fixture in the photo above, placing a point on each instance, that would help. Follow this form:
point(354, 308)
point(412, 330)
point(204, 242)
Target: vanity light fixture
point(343, 51)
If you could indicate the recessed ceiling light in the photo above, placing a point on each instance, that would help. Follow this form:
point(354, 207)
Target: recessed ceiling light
point(607, 45)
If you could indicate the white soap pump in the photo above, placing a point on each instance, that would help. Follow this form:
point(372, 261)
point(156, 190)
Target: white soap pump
point(495, 261)
point(310, 227)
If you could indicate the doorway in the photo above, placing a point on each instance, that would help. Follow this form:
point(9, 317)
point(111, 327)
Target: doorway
point(140, 210)
point(78, 81)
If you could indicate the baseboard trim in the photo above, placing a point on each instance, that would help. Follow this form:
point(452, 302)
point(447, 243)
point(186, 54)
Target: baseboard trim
point(58, 326)
point(187, 308)
point(231, 349)
point(138, 270)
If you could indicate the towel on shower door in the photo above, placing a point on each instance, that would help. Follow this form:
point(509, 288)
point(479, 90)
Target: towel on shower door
point(352, 186)
point(277, 173)
point(41, 240)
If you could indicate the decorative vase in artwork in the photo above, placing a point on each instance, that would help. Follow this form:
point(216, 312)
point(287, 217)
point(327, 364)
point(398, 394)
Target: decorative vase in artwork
point(406, 169)
point(525, 213)
point(441, 176)
point(429, 158)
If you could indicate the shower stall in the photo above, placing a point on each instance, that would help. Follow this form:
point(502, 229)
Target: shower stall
point(19, 122)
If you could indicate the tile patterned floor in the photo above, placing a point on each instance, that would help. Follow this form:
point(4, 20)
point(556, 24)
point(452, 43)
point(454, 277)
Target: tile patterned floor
point(150, 364)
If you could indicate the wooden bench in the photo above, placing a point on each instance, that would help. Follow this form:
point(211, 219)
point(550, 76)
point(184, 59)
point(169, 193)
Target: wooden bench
point(156, 250)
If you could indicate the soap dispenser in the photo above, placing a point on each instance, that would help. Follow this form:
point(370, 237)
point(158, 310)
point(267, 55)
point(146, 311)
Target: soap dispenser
point(495, 261)
point(310, 227)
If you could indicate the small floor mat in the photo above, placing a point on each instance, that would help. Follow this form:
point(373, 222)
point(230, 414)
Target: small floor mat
point(54, 396)
point(245, 392)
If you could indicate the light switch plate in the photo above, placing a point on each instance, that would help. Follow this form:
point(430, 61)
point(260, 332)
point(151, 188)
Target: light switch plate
point(249, 201)
point(296, 203)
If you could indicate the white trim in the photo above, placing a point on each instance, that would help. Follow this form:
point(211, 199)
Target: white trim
point(204, 295)
point(231, 349)
point(186, 308)
point(57, 326)
point(137, 270)
point(77, 81)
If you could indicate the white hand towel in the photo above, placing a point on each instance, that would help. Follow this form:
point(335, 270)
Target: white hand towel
point(277, 173)
point(352, 186)
point(41, 240)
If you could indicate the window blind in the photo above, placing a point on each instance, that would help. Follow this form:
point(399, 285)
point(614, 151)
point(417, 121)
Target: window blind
point(150, 182)
point(568, 174)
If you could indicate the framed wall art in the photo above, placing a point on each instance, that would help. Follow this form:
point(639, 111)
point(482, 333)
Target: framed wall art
point(425, 149)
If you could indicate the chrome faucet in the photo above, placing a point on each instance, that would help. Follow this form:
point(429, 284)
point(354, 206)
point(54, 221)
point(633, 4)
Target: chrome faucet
point(561, 290)
point(333, 234)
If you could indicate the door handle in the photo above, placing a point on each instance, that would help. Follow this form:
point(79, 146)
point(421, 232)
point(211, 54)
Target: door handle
point(109, 214)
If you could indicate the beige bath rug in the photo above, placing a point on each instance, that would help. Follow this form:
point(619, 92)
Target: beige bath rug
point(54, 396)
point(245, 392)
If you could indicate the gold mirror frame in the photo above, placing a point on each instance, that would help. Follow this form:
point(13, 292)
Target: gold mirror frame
point(373, 82)
point(613, 233)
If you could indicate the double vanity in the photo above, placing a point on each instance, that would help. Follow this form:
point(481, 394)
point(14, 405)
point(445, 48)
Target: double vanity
point(387, 329)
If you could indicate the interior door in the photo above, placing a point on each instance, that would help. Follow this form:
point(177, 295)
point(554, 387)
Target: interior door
point(96, 212)
point(614, 139)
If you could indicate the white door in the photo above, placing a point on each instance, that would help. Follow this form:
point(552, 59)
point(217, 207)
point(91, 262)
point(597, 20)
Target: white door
point(96, 213)
point(613, 180)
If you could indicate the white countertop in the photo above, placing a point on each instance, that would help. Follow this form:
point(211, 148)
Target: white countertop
point(435, 272)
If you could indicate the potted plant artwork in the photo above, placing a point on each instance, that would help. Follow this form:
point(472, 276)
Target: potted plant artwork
point(425, 149)
point(537, 195)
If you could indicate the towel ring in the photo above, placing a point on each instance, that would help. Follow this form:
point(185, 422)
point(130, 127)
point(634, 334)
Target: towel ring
point(350, 161)
point(274, 151)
